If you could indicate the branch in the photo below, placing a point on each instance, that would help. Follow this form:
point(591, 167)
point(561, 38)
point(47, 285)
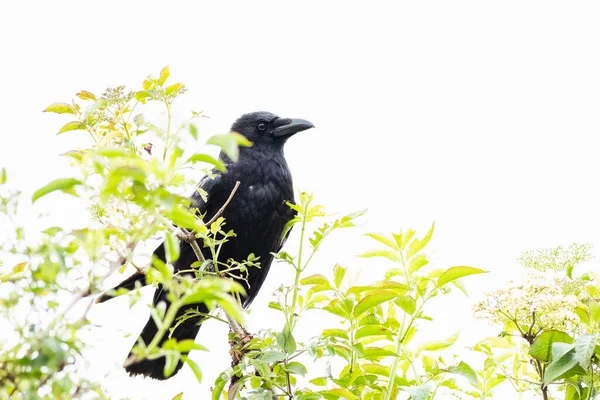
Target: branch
point(218, 214)
point(190, 237)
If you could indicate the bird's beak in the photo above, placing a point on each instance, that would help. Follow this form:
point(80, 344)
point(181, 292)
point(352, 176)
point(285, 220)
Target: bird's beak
point(292, 126)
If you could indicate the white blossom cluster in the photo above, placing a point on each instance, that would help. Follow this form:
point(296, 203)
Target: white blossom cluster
point(549, 299)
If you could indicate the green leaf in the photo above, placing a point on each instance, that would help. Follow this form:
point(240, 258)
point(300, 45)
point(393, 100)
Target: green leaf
point(60, 108)
point(65, 185)
point(71, 126)
point(417, 392)
point(594, 308)
point(193, 129)
point(173, 88)
point(195, 369)
point(178, 396)
point(171, 360)
point(319, 381)
point(164, 74)
point(438, 345)
point(316, 279)
point(297, 368)
point(335, 333)
point(390, 255)
point(142, 95)
point(463, 369)
point(584, 349)
point(407, 304)
point(199, 157)
point(286, 341)
point(373, 299)
point(417, 262)
point(187, 345)
point(338, 393)
point(560, 365)
point(273, 356)
point(138, 119)
point(372, 330)
point(541, 349)
point(186, 219)
point(229, 143)
point(3, 176)
point(418, 244)
point(377, 352)
point(457, 272)
point(171, 247)
point(583, 315)
point(338, 275)
point(112, 152)
point(219, 385)
point(381, 238)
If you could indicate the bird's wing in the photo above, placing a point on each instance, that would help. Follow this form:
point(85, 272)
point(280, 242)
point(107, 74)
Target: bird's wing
point(210, 185)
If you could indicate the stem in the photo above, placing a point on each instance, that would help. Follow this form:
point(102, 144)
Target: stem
point(591, 385)
point(298, 269)
point(289, 382)
point(540, 371)
point(401, 338)
point(353, 353)
point(166, 324)
point(168, 129)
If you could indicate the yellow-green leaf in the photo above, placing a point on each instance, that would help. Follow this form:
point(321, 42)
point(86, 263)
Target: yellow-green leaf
point(381, 238)
point(199, 157)
point(418, 244)
point(389, 254)
point(195, 369)
point(187, 345)
point(141, 96)
point(316, 279)
point(457, 272)
point(60, 108)
point(340, 393)
point(438, 345)
point(71, 126)
point(20, 267)
point(338, 275)
point(373, 299)
point(377, 352)
point(85, 95)
point(372, 330)
point(164, 74)
point(229, 143)
point(65, 184)
point(172, 247)
point(172, 88)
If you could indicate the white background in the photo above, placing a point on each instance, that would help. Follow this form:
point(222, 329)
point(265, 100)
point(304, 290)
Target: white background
point(482, 116)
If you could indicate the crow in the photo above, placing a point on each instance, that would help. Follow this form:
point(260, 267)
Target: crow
point(257, 213)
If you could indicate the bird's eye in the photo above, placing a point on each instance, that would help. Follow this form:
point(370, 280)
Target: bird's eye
point(262, 127)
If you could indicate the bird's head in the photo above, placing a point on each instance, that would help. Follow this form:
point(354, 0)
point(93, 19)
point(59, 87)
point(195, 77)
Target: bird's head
point(265, 128)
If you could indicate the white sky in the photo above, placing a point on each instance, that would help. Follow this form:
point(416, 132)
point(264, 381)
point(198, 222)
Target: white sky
point(482, 116)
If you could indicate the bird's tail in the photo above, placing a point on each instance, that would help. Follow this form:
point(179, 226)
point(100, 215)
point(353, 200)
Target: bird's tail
point(133, 282)
point(154, 368)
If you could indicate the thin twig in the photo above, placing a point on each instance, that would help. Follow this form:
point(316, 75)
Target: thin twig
point(218, 214)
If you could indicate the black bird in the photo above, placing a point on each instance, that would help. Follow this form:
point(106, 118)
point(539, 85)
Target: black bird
point(257, 214)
